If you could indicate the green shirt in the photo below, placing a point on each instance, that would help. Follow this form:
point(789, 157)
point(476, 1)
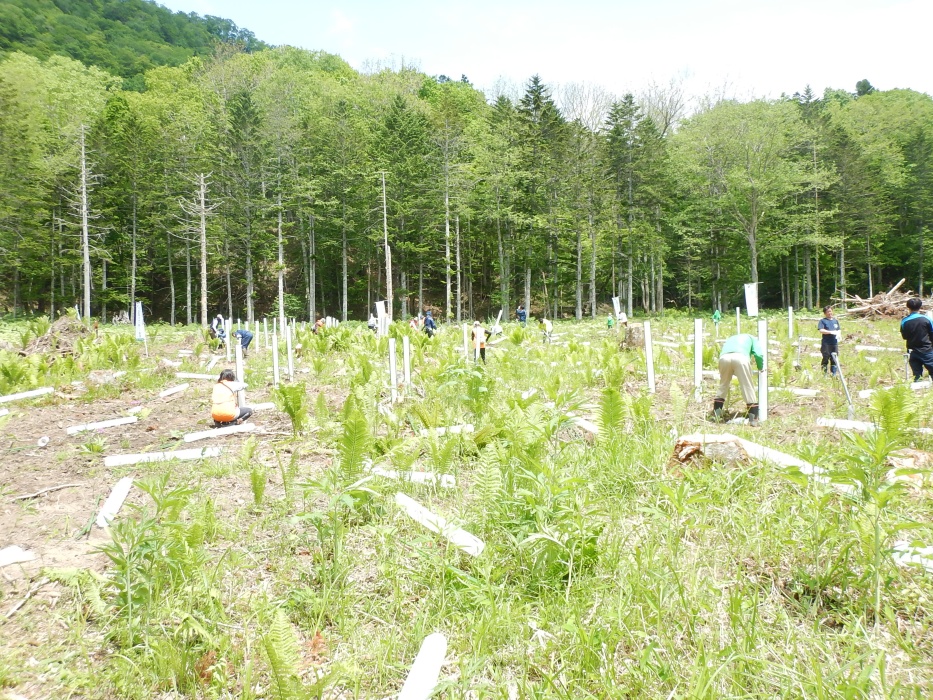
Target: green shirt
point(744, 344)
point(716, 316)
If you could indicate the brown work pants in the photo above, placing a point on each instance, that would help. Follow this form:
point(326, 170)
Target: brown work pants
point(736, 365)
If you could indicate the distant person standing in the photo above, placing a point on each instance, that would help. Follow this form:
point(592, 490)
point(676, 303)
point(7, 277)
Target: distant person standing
point(430, 327)
point(917, 330)
point(829, 344)
point(521, 314)
point(735, 361)
point(547, 328)
point(610, 322)
point(480, 335)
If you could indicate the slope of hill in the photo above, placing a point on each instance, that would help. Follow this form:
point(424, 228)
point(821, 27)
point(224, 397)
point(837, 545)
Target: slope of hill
point(125, 37)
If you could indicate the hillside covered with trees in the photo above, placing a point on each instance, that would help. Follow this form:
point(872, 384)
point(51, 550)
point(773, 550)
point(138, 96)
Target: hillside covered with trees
point(271, 163)
point(124, 37)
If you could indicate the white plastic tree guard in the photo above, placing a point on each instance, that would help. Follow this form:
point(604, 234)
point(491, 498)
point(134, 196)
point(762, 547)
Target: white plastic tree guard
point(240, 376)
point(393, 371)
point(907, 555)
point(795, 391)
point(649, 356)
point(422, 678)
point(842, 424)
point(27, 394)
point(14, 554)
point(220, 432)
point(4, 411)
point(194, 375)
point(145, 458)
point(101, 424)
point(452, 430)
point(263, 406)
point(435, 523)
point(275, 357)
point(174, 390)
point(406, 361)
point(763, 374)
point(586, 425)
point(289, 353)
point(698, 359)
point(114, 501)
point(876, 348)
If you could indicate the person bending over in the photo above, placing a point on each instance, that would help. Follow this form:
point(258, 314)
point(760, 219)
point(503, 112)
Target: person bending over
point(734, 361)
point(430, 327)
point(917, 331)
point(224, 409)
point(245, 337)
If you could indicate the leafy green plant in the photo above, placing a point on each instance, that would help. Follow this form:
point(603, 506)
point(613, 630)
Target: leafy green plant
point(96, 445)
point(292, 399)
point(257, 481)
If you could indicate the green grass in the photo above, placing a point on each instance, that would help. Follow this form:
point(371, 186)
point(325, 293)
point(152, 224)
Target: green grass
point(609, 571)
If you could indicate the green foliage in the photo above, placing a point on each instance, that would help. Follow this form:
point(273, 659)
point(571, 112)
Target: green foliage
point(257, 481)
point(292, 399)
point(281, 646)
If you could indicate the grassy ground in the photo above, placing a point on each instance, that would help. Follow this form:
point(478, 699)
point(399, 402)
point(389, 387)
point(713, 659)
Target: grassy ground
point(285, 569)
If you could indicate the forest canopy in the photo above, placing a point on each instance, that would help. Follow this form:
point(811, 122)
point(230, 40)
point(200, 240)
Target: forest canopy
point(268, 163)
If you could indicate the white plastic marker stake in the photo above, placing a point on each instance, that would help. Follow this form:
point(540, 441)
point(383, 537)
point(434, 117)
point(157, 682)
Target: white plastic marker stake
point(790, 323)
point(393, 371)
point(101, 424)
point(228, 338)
point(435, 523)
point(289, 351)
point(763, 374)
point(406, 360)
point(466, 342)
point(147, 457)
point(114, 501)
point(193, 375)
point(220, 432)
point(140, 327)
point(174, 390)
point(27, 394)
point(698, 358)
point(258, 337)
point(275, 358)
point(649, 356)
point(422, 678)
point(738, 319)
point(265, 331)
point(241, 394)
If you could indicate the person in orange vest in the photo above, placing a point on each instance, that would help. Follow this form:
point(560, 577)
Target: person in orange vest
point(224, 409)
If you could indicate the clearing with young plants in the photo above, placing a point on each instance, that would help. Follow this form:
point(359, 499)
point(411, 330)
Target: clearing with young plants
point(532, 510)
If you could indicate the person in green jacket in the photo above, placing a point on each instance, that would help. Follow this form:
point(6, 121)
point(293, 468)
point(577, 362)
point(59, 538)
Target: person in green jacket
point(735, 361)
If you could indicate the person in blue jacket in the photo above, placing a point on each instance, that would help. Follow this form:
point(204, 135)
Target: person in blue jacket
point(829, 344)
point(430, 327)
point(521, 314)
point(917, 331)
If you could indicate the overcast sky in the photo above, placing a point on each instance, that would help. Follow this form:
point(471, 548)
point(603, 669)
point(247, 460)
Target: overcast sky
point(743, 47)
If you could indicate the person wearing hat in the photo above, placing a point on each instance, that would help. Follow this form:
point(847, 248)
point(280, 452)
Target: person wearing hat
point(217, 329)
point(480, 335)
point(917, 331)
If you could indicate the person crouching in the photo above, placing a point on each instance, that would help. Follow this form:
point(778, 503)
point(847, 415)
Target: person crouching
point(224, 409)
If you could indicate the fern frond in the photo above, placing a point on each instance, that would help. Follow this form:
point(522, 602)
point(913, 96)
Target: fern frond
point(354, 443)
point(611, 412)
point(281, 645)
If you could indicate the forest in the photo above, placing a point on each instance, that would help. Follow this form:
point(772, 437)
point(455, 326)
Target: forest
point(230, 177)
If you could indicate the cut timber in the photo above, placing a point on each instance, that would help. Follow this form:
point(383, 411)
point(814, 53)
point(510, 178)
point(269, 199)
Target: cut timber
point(453, 430)
point(263, 406)
point(101, 424)
point(753, 449)
point(173, 390)
point(114, 501)
point(194, 375)
point(197, 453)
point(842, 424)
point(220, 432)
point(14, 554)
point(422, 678)
point(27, 394)
point(446, 481)
point(435, 523)
point(906, 554)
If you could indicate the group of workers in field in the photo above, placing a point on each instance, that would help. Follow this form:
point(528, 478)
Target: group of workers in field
point(735, 359)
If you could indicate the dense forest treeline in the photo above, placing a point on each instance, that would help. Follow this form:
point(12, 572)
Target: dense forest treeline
point(124, 37)
point(260, 172)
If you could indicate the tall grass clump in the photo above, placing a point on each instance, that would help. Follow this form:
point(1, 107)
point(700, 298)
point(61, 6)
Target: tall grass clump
point(292, 399)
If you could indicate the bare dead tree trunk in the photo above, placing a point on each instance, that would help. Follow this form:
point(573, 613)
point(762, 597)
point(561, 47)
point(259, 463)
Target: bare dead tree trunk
point(459, 274)
point(312, 262)
point(85, 234)
point(385, 234)
point(281, 269)
point(592, 266)
point(188, 281)
point(171, 276)
point(202, 192)
point(133, 264)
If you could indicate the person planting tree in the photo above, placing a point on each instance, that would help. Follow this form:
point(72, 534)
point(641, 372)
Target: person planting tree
point(735, 361)
point(224, 409)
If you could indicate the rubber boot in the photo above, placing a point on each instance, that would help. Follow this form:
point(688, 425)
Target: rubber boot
point(753, 415)
point(717, 409)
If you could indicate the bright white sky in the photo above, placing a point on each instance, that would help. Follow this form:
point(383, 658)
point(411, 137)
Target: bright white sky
point(742, 48)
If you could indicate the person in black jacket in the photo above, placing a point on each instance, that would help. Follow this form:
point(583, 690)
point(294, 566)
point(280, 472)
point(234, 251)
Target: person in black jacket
point(917, 330)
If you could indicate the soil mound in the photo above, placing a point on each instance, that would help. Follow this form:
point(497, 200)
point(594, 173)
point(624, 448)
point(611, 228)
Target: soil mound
point(61, 337)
